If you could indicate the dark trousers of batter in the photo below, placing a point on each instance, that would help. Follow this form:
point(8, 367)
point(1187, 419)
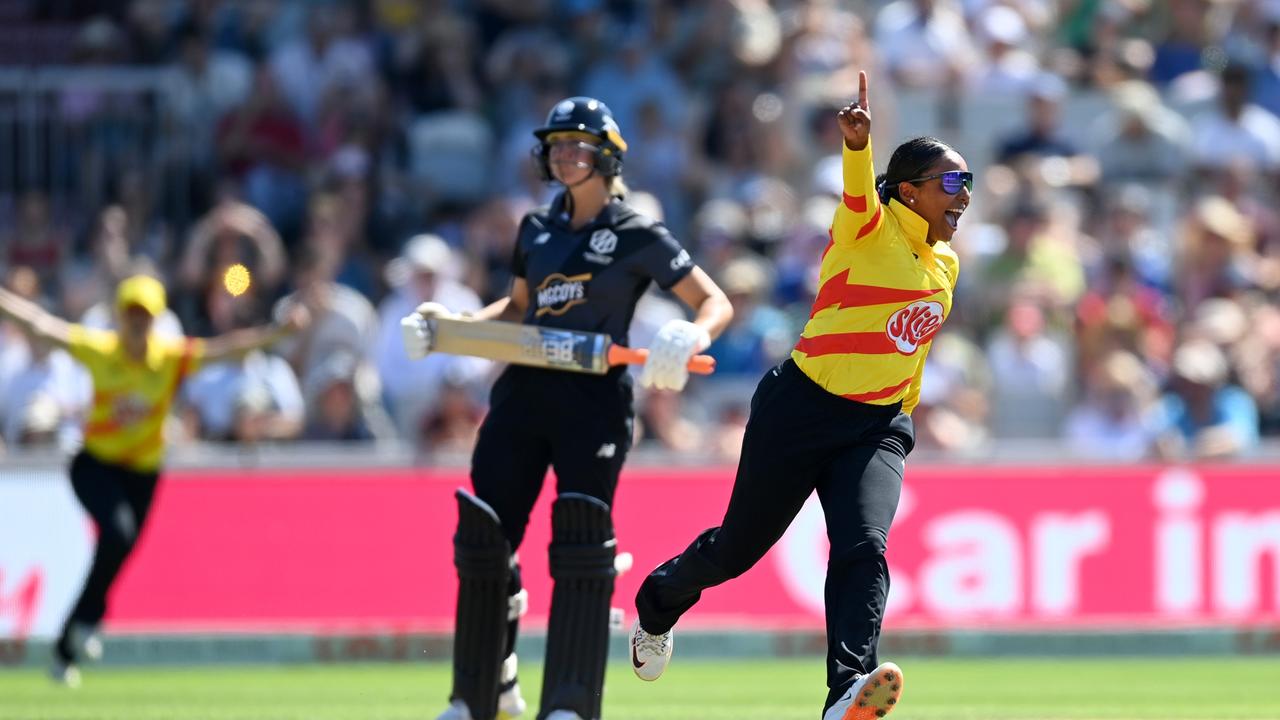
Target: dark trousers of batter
point(119, 500)
point(800, 438)
point(578, 425)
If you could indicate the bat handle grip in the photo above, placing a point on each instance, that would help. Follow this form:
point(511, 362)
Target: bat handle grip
point(702, 364)
point(698, 364)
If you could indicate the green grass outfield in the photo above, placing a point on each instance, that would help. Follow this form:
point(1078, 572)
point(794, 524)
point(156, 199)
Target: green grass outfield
point(1138, 689)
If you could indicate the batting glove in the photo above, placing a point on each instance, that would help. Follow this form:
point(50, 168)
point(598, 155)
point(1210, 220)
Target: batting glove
point(669, 354)
point(418, 332)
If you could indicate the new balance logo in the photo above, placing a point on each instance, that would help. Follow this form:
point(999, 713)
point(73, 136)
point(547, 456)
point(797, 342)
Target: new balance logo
point(681, 260)
point(607, 450)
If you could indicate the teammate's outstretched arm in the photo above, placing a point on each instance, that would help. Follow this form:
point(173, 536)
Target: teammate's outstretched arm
point(240, 342)
point(33, 319)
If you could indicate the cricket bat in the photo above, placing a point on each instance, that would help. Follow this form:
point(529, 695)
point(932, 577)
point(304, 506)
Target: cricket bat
point(572, 350)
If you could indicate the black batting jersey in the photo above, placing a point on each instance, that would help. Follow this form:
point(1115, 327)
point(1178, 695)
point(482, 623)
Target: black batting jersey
point(591, 278)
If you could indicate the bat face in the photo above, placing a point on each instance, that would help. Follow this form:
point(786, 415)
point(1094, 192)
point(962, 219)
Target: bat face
point(570, 350)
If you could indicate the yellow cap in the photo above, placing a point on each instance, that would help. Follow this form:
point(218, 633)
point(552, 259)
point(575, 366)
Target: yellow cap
point(142, 290)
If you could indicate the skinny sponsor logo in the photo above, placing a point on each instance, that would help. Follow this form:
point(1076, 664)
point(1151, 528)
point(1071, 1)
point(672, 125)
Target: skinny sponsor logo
point(129, 409)
point(914, 325)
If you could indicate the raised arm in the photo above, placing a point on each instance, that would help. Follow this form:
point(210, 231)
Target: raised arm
point(241, 342)
point(33, 320)
point(191, 268)
point(246, 221)
point(255, 226)
point(859, 211)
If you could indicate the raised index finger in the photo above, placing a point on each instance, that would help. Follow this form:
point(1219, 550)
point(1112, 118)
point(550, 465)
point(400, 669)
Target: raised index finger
point(862, 89)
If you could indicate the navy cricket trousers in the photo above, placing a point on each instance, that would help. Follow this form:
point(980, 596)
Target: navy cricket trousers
point(801, 438)
point(119, 500)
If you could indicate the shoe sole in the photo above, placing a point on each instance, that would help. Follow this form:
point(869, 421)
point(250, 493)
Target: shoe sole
point(879, 696)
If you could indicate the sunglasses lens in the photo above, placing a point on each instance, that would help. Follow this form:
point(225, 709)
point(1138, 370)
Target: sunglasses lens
point(952, 181)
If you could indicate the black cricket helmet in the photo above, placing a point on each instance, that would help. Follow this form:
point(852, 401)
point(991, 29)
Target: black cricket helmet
point(584, 115)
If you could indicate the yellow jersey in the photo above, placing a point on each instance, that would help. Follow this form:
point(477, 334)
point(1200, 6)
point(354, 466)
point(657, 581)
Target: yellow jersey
point(131, 399)
point(883, 294)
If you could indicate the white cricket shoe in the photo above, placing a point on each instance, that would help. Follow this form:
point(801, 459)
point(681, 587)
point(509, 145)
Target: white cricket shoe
point(650, 653)
point(65, 674)
point(564, 715)
point(86, 641)
point(510, 703)
point(457, 710)
point(873, 696)
point(510, 706)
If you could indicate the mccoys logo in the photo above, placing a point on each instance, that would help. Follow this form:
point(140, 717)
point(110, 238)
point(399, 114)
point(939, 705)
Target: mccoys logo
point(602, 243)
point(559, 292)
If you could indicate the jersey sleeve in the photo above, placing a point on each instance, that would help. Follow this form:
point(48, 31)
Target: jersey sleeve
point(859, 212)
point(186, 355)
point(90, 346)
point(663, 258)
point(194, 352)
point(519, 255)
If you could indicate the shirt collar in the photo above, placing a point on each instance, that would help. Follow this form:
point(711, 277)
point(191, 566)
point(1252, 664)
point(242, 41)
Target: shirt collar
point(155, 353)
point(607, 217)
point(913, 226)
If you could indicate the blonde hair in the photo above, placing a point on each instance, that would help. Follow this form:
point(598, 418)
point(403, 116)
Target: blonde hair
point(616, 187)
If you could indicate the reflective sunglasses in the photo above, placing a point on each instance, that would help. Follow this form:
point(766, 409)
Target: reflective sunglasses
point(952, 180)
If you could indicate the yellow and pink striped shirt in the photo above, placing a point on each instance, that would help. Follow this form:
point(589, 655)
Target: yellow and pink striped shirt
point(131, 399)
point(883, 294)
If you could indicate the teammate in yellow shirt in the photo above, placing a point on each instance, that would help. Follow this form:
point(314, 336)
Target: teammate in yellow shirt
point(835, 417)
point(136, 375)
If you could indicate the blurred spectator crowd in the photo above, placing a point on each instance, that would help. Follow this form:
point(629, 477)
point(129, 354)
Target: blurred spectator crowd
point(1120, 263)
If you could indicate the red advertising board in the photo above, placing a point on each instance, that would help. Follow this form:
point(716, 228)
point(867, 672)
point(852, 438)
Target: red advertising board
point(971, 547)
